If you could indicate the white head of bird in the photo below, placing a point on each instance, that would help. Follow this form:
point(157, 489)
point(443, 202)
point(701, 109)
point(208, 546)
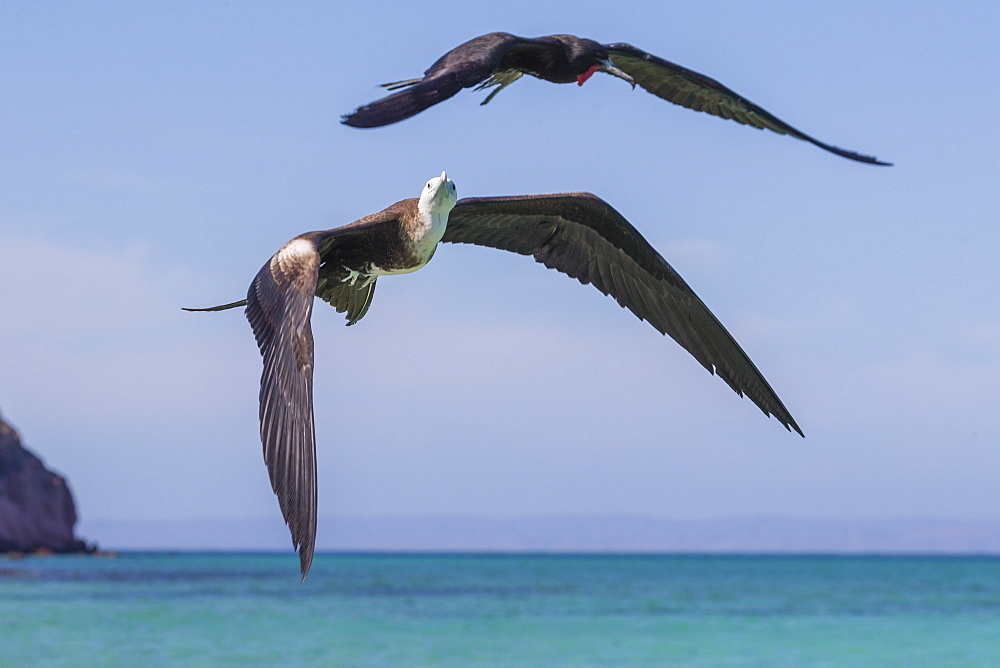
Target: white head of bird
point(438, 197)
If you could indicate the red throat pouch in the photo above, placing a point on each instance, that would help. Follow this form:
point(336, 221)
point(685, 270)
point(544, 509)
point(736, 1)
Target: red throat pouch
point(586, 75)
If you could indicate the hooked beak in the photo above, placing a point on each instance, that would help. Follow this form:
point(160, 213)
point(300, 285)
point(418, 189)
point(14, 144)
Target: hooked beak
point(609, 67)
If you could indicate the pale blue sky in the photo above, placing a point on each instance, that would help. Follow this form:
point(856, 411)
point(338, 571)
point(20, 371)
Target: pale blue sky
point(154, 155)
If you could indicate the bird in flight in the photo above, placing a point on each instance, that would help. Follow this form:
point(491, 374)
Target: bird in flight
point(577, 234)
point(499, 59)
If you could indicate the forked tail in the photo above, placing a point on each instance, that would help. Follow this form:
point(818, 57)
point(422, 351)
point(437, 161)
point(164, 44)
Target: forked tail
point(396, 85)
point(224, 307)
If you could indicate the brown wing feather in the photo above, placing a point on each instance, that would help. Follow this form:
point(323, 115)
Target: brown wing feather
point(580, 235)
point(279, 308)
point(279, 305)
point(345, 297)
point(690, 89)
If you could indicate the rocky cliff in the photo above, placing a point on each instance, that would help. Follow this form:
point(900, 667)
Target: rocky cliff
point(37, 512)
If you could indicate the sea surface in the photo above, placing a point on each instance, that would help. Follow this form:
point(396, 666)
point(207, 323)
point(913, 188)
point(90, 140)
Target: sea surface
point(194, 609)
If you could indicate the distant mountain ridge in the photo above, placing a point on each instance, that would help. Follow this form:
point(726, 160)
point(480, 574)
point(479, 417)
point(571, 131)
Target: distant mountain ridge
point(37, 512)
point(580, 533)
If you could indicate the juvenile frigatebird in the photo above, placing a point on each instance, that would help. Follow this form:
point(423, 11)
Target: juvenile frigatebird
point(577, 234)
point(499, 59)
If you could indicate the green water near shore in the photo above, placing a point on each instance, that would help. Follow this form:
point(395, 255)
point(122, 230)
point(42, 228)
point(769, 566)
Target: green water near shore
point(525, 610)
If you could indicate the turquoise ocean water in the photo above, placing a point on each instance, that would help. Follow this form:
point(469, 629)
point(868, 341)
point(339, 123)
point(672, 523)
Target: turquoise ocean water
point(503, 610)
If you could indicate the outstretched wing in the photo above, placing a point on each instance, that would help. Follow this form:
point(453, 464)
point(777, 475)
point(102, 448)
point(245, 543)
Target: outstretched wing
point(696, 91)
point(279, 305)
point(580, 235)
point(279, 308)
point(464, 66)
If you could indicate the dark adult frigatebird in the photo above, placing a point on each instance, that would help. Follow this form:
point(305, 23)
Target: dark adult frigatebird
point(576, 233)
point(499, 59)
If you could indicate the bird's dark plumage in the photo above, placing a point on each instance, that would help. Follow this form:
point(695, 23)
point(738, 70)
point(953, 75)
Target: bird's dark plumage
point(499, 59)
point(582, 236)
point(279, 306)
point(576, 233)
